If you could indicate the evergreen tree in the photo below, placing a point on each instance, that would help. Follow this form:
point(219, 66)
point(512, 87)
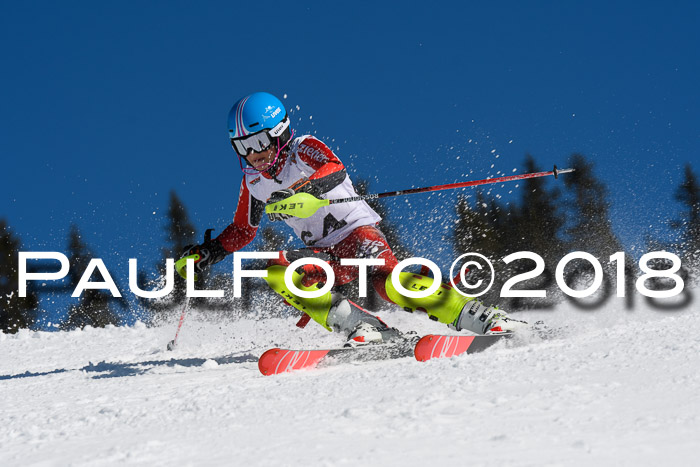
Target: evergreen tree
point(466, 226)
point(688, 193)
point(472, 231)
point(95, 306)
point(591, 230)
point(485, 227)
point(539, 219)
point(15, 313)
point(536, 226)
point(495, 230)
point(180, 233)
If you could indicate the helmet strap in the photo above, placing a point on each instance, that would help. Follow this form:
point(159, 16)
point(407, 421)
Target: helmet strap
point(273, 166)
point(269, 168)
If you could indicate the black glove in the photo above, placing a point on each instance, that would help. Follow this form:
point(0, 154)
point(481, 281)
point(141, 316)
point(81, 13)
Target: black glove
point(304, 185)
point(278, 196)
point(210, 252)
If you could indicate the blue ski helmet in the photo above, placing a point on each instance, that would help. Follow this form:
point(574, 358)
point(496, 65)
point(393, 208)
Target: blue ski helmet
point(257, 121)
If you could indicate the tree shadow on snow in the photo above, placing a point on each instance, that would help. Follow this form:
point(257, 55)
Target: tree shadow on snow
point(118, 370)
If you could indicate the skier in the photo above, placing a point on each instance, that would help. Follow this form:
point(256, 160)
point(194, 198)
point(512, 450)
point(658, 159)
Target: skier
point(279, 165)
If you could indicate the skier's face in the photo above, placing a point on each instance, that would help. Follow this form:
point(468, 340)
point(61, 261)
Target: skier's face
point(262, 159)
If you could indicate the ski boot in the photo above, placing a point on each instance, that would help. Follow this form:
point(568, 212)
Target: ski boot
point(478, 318)
point(368, 334)
point(334, 312)
point(448, 306)
point(361, 327)
point(364, 334)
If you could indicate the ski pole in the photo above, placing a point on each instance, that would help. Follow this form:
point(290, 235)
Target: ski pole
point(173, 343)
point(180, 267)
point(305, 205)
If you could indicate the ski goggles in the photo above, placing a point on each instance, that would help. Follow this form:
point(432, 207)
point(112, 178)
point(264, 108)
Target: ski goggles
point(260, 141)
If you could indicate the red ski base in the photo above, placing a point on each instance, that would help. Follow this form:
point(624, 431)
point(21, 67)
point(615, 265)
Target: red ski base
point(275, 361)
point(435, 346)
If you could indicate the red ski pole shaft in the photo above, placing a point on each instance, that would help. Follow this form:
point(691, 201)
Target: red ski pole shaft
point(207, 238)
point(451, 186)
point(173, 343)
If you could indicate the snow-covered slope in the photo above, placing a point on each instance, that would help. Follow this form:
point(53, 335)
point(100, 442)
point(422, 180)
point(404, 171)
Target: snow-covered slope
point(614, 387)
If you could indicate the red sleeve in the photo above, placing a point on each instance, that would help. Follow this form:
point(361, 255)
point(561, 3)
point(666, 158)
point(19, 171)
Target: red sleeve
point(320, 157)
point(245, 222)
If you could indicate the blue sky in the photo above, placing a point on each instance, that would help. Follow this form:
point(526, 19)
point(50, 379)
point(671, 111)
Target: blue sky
point(106, 107)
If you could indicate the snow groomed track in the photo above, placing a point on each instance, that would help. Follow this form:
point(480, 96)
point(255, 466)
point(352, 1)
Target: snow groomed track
point(613, 387)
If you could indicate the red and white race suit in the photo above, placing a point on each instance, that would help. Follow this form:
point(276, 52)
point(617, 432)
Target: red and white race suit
point(306, 157)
